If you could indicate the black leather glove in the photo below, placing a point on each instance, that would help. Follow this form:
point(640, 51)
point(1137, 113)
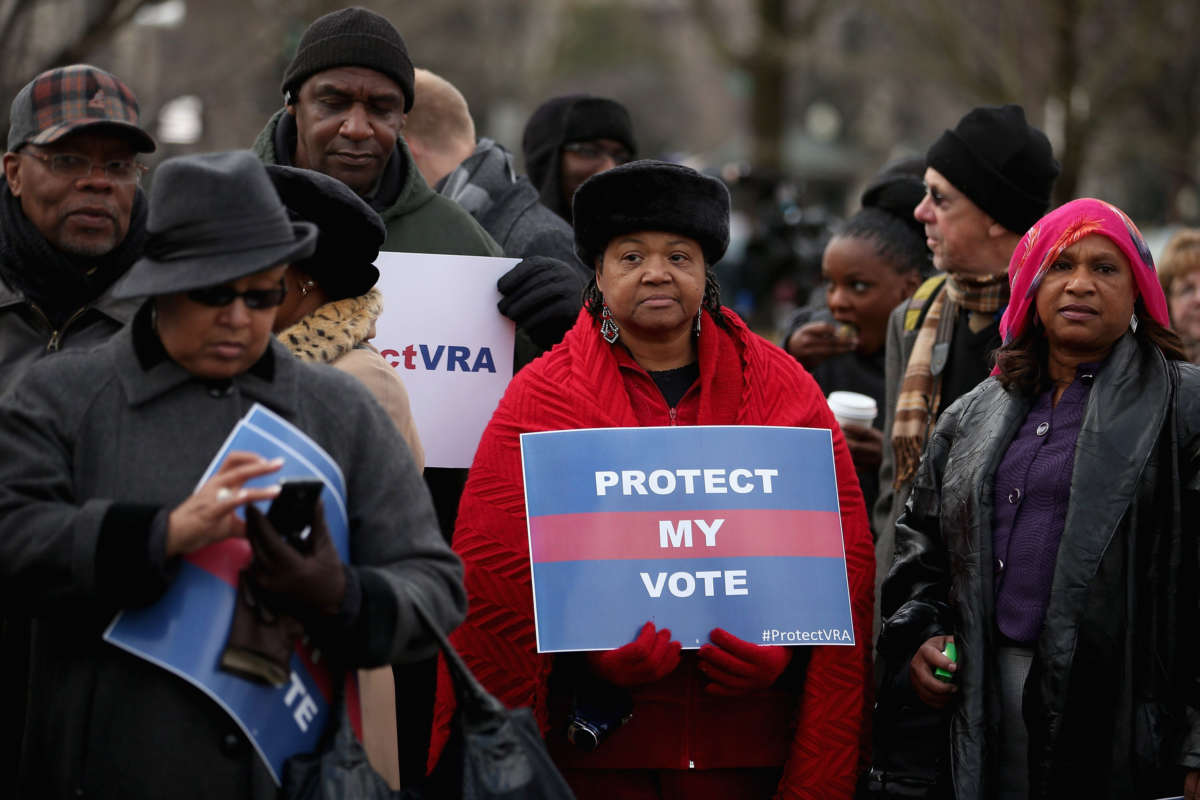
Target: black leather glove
point(312, 585)
point(543, 296)
point(260, 643)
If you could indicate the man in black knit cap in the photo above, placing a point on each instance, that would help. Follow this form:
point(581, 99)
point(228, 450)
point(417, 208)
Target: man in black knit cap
point(346, 94)
point(571, 138)
point(986, 182)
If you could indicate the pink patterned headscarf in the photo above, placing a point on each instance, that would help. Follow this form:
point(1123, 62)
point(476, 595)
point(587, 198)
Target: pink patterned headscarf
point(1058, 230)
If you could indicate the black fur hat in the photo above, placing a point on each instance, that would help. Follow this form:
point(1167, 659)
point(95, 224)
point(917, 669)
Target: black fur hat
point(350, 232)
point(651, 196)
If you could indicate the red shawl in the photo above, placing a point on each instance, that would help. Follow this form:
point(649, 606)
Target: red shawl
point(744, 380)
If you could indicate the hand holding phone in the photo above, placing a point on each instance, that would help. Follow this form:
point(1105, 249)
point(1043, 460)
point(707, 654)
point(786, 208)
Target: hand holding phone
point(306, 583)
point(291, 512)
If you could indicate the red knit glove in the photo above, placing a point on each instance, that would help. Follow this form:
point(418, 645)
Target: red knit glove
point(737, 667)
point(648, 658)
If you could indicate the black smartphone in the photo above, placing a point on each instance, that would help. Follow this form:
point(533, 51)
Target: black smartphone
point(291, 512)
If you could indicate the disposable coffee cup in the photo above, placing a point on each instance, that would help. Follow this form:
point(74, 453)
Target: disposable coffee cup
point(852, 408)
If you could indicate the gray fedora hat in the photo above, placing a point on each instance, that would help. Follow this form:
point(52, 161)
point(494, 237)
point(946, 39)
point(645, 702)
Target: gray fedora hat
point(213, 218)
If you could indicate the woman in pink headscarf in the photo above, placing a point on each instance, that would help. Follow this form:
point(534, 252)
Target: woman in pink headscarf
point(1051, 536)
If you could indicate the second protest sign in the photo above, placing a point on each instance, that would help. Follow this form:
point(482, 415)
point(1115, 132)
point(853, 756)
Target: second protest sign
point(693, 528)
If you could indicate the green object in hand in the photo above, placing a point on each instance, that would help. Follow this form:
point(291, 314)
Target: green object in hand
point(945, 675)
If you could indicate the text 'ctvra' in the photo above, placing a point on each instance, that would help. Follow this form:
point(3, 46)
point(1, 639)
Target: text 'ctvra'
point(670, 481)
point(451, 358)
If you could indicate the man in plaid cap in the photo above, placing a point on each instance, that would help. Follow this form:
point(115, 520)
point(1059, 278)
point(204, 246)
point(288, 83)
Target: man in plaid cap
point(72, 219)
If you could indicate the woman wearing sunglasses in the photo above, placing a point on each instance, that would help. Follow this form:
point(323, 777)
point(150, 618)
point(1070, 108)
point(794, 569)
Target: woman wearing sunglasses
point(100, 456)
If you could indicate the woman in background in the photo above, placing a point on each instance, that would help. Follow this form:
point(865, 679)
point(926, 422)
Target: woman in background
point(874, 261)
point(1179, 271)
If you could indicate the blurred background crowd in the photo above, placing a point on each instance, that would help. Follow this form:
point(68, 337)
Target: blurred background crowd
point(794, 103)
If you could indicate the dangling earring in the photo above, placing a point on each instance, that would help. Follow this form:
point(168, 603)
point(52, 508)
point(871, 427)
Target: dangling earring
point(305, 288)
point(1133, 324)
point(699, 314)
point(608, 326)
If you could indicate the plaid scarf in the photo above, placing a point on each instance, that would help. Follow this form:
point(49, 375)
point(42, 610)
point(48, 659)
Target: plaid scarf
point(921, 389)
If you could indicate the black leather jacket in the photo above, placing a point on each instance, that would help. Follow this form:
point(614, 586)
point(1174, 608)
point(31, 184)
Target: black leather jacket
point(1112, 703)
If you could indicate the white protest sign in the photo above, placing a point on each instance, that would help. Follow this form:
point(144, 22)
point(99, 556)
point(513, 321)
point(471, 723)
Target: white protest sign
point(441, 332)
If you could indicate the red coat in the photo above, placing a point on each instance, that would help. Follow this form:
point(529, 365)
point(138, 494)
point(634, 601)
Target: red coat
point(587, 383)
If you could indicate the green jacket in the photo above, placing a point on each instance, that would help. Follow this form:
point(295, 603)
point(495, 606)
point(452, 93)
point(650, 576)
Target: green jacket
point(421, 220)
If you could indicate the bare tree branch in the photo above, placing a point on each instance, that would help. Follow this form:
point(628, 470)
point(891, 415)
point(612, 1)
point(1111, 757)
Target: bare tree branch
point(100, 29)
point(709, 18)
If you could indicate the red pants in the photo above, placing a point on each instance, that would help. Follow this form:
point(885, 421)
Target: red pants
point(751, 783)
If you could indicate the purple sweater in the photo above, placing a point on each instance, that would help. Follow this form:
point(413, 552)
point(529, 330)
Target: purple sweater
point(1032, 490)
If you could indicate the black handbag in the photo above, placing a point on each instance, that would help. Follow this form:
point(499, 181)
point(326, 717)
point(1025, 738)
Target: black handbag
point(337, 770)
point(493, 753)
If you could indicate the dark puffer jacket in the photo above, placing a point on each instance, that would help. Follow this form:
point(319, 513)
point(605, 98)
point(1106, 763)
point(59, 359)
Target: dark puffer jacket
point(1112, 703)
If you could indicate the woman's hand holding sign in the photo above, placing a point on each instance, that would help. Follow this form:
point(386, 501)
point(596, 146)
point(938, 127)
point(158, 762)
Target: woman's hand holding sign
point(648, 658)
point(738, 667)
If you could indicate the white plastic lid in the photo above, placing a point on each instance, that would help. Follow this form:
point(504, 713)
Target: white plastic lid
point(853, 405)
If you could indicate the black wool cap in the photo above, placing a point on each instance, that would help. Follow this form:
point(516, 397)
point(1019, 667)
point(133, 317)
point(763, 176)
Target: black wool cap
point(898, 189)
point(351, 37)
point(1004, 164)
point(651, 196)
point(350, 233)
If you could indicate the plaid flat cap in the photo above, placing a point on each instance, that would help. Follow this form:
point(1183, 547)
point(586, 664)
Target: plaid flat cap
point(66, 99)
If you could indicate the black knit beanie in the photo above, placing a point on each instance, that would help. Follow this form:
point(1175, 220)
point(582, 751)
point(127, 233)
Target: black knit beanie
point(351, 37)
point(651, 196)
point(897, 189)
point(1000, 161)
point(566, 119)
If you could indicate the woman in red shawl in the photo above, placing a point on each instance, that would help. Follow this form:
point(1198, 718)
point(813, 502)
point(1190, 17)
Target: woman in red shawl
point(653, 346)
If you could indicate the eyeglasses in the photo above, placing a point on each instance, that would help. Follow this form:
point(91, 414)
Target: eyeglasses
point(595, 152)
point(219, 296)
point(75, 166)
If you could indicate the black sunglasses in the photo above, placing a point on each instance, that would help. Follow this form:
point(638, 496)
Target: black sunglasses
point(217, 296)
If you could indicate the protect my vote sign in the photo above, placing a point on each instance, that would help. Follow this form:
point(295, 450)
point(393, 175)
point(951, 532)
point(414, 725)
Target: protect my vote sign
point(693, 528)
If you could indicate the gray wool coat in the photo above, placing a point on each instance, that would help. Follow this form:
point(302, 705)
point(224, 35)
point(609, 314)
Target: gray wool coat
point(86, 430)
